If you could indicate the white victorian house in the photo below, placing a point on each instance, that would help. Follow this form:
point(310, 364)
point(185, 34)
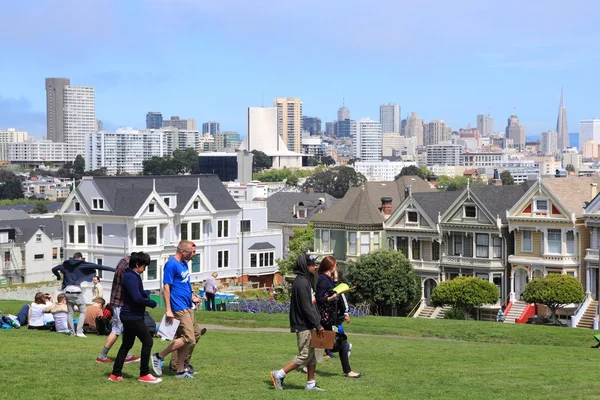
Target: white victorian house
point(105, 218)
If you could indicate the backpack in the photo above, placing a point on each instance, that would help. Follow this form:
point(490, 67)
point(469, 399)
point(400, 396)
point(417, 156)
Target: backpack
point(149, 321)
point(103, 326)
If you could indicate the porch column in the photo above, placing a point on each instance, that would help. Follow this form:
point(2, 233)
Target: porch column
point(423, 288)
point(512, 285)
point(563, 241)
point(545, 242)
point(410, 248)
point(594, 237)
point(490, 246)
point(588, 289)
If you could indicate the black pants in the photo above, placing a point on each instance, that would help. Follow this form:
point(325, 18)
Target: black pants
point(131, 330)
point(344, 348)
point(210, 302)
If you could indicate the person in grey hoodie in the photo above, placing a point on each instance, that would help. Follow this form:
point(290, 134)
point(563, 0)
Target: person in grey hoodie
point(304, 317)
point(75, 271)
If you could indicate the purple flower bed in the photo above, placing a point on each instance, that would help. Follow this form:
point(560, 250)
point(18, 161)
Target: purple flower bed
point(272, 307)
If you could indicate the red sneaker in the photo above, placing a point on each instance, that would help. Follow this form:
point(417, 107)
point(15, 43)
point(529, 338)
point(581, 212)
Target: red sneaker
point(115, 378)
point(103, 360)
point(149, 379)
point(132, 359)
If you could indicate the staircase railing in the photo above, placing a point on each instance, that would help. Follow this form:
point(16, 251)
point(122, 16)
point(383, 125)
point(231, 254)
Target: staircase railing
point(580, 310)
point(415, 309)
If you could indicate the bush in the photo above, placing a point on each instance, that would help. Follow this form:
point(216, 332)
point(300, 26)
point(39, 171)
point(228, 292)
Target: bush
point(454, 313)
point(273, 307)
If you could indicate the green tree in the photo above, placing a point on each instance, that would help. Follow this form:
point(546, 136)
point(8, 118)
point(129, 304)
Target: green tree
point(11, 189)
point(79, 164)
point(554, 291)
point(279, 175)
point(260, 161)
point(422, 172)
point(570, 168)
point(457, 183)
point(464, 292)
point(335, 181)
point(40, 208)
point(154, 166)
point(327, 160)
point(507, 178)
point(385, 279)
point(303, 241)
point(185, 161)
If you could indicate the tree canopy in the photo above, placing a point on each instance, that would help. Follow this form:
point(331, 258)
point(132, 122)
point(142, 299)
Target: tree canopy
point(335, 181)
point(40, 208)
point(464, 292)
point(79, 164)
point(385, 279)
point(180, 163)
point(10, 186)
point(279, 175)
point(554, 291)
point(422, 172)
point(303, 241)
point(457, 183)
point(327, 160)
point(260, 161)
point(507, 178)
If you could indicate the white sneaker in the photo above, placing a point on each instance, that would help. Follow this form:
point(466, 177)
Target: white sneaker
point(349, 349)
point(80, 335)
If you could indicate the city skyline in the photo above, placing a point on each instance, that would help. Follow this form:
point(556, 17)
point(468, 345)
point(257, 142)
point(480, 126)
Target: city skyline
point(501, 70)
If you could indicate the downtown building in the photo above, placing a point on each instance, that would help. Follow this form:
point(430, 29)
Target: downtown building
point(485, 125)
point(211, 127)
point(589, 129)
point(289, 122)
point(154, 120)
point(182, 124)
point(10, 136)
point(414, 128)
point(366, 140)
point(515, 132)
point(389, 117)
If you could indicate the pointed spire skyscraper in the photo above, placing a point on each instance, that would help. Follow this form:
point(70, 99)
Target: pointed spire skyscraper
point(562, 129)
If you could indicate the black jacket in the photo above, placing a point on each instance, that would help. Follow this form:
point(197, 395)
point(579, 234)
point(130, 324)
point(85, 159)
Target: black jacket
point(75, 272)
point(134, 297)
point(303, 310)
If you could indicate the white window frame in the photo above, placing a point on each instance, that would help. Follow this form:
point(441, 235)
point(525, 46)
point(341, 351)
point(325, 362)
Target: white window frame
point(375, 241)
point(301, 213)
point(77, 226)
point(36, 258)
point(152, 208)
point(97, 203)
point(535, 205)
point(77, 206)
point(191, 231)
point(462, 245)
point(570, 242)
point(99, 272)
point(99, 238)
point(408, 221)
point(352, 242)
point(196, 205)
point(167, 201)
point(465, 210)
point(268, 259)
point(146, 229)
point(494, 247)
point(557, 244)
point(221, 223)
point(323, 241)
point(38, 238)
point(485, 249)
point(221, 262)
point(523, 241)
point(364, 235)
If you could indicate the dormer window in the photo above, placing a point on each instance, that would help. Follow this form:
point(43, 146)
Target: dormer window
point(77, 206)
point(97, 204)
point(151, 208)
point(196, 205)
point(167, 201)
point(412, 217)
point(470, 211)
point(302, 213)
point(541, 205)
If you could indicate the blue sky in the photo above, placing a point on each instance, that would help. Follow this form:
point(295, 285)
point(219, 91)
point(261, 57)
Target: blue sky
point(210, 60)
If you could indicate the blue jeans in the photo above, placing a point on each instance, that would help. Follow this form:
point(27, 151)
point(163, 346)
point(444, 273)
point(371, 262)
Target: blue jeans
point(75, 299)
point(210, 302)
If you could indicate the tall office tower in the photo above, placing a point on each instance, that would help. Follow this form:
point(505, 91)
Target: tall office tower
point(55, 92)
point(79, 117)
point(562, 130)
point(548, 143)
point(312, 125)
point(589, 129)
point(414, 128)
point(435, 132)
point(343, 113)
point(516, 132)
point(154, 120)
point(366, 139)
point(389, 117)
point(211, 127)
point(289, 122)
point(485, 125)
point(329, 128)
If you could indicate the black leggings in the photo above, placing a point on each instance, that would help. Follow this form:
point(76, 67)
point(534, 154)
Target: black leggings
point(131, 330)
point(40, 328)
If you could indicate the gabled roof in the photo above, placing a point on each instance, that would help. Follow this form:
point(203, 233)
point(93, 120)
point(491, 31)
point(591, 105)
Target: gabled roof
point(26, 228)
point(125, 195)
point(572, 191)
point(280, 206)
point(6, 215)
point(362, 205)
point(435, 203)
point(498, 199)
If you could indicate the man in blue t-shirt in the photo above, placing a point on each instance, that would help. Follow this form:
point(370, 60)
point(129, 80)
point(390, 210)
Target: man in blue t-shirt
point(179, 301)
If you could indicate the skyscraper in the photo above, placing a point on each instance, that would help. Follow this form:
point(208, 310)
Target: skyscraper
point(516, 132)
point(485, 125)
point(414, 128)
point(79, 117)
point(435, 132)
point(312, 125)
point(389, 117)
point(154, 120)
point(55, 89)
point(589, 129)
point(562, 130)
point(548, 143)
point(289, 122)
point(211, 127)
point(343, 113)
point(366, 139)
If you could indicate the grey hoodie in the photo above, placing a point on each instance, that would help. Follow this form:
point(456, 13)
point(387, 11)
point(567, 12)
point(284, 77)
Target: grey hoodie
point(303, 308)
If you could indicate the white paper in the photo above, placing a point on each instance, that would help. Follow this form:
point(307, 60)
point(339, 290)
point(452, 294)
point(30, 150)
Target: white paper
point(167, 331)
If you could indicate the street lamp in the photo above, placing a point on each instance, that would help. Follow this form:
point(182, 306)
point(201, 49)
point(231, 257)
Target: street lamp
point(124, 244)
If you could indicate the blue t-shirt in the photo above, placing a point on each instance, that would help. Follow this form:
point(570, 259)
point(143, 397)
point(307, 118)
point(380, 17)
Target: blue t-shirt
point(177, 275)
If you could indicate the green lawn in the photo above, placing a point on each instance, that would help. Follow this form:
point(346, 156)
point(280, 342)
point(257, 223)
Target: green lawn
point(481, 361)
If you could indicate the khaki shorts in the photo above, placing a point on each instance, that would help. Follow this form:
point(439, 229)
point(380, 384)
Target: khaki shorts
point(186, 326)
point(306, 354)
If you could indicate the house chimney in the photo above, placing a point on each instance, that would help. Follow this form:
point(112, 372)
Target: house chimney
point(432, 179)
point(594, 188)
point(386, 207)
point(309, 189)
point(42, 227)
point(497, 180)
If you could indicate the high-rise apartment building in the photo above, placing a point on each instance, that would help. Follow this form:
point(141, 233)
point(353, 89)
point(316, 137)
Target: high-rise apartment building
point(366, 139)
point(562, 128)
point(516, 132)
point(414, 128)
point(435, 132)
point(485, 125)
point(548, 143)
point(444, 154)
point(10, 136)
point(55, 92)
point(389, 117)
point(330, 128)
point(312, 125)
point(589, 129)
point(183, 124)
point(343, 113)
point(289, 122)
point(211, 127)
point(154, 120)
point(571, 156)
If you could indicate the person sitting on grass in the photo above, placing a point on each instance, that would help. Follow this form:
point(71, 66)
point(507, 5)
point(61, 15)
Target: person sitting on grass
point(36, 313)
point(59, 311)
point(92, 312)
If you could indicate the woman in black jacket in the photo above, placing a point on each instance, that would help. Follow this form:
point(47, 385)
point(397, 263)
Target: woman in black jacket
point(327, 300)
